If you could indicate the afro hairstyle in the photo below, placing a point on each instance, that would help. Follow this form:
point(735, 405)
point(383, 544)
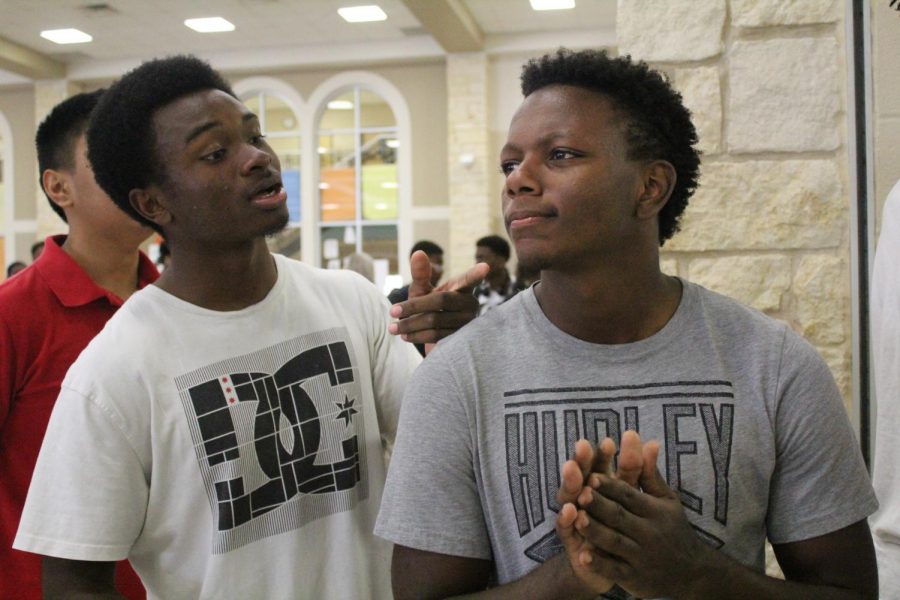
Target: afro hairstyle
point(495, 244)
point(122, 146)
point(658, 126)
point(57, 135)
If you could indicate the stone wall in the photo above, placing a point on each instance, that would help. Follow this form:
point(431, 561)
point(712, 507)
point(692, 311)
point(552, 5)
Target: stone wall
point(765, 81)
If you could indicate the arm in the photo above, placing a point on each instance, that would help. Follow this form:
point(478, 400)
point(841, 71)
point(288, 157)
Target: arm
point(653, 551)
point(78, 579)
point(431, 314)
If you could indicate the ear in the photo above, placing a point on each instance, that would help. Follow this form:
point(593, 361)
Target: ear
point(58, 188)
point(146, 202)
point(658, 182)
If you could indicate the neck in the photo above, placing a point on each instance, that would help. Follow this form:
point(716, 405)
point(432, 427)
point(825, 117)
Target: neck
point(110, 263)
point(616, 305)
point(223, 278)
point(499, 279)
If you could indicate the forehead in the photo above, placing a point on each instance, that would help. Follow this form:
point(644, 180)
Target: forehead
point(564, 110)
point(179, 118)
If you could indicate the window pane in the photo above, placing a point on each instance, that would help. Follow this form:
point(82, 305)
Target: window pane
point(337, 242)
point(279, 116)
point(286, 242)
point(379, 176)
point(380, 242)
point(340, 113)
point(288, 151)
point(374, 111)
point(337, 177)
point(252, 102)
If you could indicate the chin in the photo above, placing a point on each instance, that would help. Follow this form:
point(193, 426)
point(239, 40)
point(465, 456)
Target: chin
point(277, 227)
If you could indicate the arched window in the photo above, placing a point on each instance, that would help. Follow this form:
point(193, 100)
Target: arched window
point(358, 145)
point(279, 117)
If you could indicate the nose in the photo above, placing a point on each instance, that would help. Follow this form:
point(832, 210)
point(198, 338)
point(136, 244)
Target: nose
point(255, 159)
point(523, 179)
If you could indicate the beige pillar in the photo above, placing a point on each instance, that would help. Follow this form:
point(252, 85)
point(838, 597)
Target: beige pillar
point(471, 208)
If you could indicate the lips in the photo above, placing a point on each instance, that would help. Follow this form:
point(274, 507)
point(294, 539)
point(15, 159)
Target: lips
point(269, 195)
point(518, 219)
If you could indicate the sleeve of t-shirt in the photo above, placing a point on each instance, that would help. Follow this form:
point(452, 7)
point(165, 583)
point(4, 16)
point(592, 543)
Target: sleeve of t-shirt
point(431, 500)
point(820, 483)
point(393, 362)
point(88, 496)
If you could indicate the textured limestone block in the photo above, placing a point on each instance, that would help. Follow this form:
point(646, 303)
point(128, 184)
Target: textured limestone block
point(785, 95)
point(669, 266)
point(702, 95)
point(757, 281)
point(821, 288)
point(674, 30)
point(839, 362)
point(763, 13)
point(764, 205)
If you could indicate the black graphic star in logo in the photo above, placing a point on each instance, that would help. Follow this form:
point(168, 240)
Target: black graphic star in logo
point(347, 411)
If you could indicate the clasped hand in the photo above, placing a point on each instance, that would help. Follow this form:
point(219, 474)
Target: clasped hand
point(627, 528)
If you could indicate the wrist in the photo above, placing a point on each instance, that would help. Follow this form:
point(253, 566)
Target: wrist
point(570, 584)
point(698, 574)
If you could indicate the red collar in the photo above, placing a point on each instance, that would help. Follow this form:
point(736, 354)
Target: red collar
point(71, 284)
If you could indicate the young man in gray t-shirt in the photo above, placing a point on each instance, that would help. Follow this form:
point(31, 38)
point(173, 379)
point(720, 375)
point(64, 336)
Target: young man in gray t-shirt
point(755, 443)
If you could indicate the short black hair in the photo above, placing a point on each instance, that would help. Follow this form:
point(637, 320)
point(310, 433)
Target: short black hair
point(122, 146)
point(37, 248)
point(658, 126)
point(426, 246)
point(57, 135)
point(495, 244)
point(14, 267)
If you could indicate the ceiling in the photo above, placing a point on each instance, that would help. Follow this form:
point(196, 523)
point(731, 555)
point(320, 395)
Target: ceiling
point(276, 34)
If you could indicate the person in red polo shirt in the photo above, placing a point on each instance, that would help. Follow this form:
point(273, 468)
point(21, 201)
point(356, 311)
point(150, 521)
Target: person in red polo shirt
point(48, 314)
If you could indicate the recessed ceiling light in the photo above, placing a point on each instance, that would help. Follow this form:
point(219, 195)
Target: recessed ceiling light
point(66, 36)
point(362, 14)
point(209, 24)
point(552, 4)
point(340, 105)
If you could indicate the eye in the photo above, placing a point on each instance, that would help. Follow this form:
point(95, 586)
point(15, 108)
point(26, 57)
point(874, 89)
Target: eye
point(214, 156)
point(562, 154)
point(257, 139)
point(507, 166)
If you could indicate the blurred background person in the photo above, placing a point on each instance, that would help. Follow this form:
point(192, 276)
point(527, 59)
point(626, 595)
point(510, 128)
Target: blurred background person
point(435, 257)
point(14, 268)
point(499, 286)
point(361, 263)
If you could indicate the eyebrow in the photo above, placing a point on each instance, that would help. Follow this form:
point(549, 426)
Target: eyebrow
point(196, 131)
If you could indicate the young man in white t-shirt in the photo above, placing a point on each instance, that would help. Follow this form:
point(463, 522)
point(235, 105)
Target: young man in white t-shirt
point(224, 431)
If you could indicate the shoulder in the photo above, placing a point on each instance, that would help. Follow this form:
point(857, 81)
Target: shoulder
point(24, 297)
point(730, 316)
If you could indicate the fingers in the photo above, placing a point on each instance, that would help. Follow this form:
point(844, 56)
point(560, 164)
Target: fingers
point(604, 538)
point(584, 456)
point(429, 327)
point(466, 282)
point(603, 456)
point(420, 269)
point(651, 480)
point(572, 482)
point(630, 458)
point(436, 302)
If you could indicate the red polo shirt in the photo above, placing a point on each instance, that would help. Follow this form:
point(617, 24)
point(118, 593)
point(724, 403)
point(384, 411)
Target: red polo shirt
point(48, 314)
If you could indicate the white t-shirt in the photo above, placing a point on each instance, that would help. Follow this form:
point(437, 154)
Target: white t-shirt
point(229, 454)
point(885, 305)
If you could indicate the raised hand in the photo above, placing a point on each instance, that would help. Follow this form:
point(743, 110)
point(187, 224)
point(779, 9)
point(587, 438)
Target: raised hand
point(432, 313)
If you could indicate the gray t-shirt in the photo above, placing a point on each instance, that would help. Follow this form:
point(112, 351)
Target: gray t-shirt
point(754, 434)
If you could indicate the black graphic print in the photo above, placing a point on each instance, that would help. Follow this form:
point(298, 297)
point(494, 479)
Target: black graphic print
point(693, 419)
point(272, 440)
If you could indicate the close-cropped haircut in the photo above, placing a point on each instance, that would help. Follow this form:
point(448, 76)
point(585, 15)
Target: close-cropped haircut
point(657, 124)
point(122, 145)
point(57, 135)
point(495, 244)
point(426, 246)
